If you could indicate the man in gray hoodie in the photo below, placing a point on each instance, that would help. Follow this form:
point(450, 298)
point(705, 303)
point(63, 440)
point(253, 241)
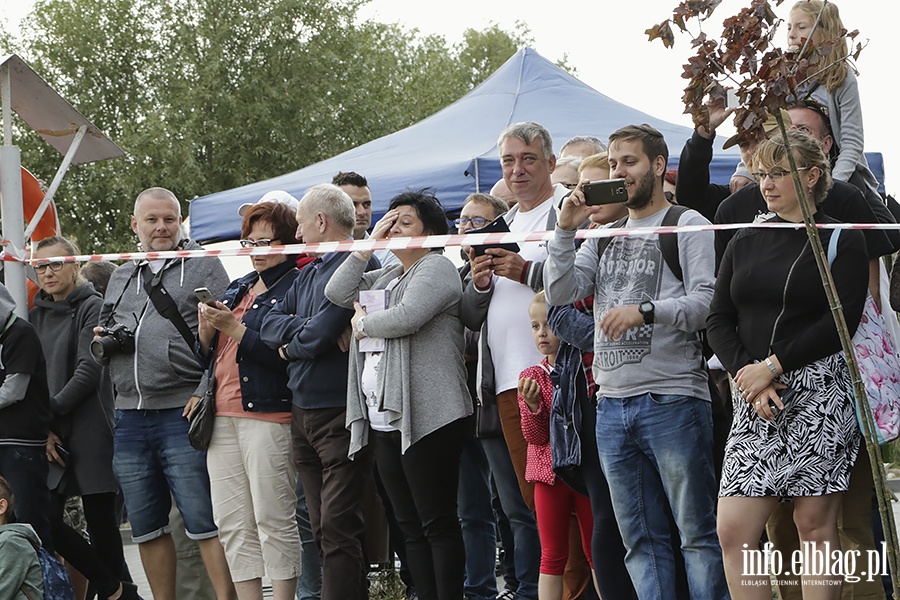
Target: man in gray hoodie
point(654, 423)
point(155, 372)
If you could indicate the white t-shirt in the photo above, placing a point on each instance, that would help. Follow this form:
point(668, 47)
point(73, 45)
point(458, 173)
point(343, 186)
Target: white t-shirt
point(369, 382)
point(378, 419)
point(509, 326)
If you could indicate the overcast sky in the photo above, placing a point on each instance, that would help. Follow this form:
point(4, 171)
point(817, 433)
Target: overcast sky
point(605, 42)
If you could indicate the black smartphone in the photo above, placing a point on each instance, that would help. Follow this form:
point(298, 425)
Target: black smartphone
point(205, 296)
point(498, 225)
point(56, 471)
point(607, 191)
point(785, 395)
point(63, 453)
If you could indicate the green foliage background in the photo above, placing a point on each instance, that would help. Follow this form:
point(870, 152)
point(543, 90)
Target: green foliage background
point(207, 95)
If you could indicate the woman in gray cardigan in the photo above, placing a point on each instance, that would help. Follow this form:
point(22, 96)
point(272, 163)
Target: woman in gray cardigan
point(410, 398)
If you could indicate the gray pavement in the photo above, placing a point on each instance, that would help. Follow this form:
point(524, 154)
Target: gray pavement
point(132, 555)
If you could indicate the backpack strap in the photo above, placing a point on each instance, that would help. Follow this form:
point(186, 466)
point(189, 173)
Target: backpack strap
point(832, 246)
point(668, 242)
point(9, 323)
point(603, 242)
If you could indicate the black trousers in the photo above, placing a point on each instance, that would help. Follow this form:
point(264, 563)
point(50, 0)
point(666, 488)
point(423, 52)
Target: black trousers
point(102, 560)
point(422, 485)
point(333, 485)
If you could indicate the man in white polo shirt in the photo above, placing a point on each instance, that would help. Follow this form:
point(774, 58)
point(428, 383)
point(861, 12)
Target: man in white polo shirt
point(502, 285)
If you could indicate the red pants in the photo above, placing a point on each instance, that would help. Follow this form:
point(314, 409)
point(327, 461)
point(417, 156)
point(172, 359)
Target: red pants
point(555, 504)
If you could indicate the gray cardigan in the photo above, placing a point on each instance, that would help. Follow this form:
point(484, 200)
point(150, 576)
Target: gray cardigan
point(422, 379)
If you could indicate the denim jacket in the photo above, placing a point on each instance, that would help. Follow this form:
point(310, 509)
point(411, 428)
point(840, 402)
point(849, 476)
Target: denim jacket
point(576, 333)
point(263, 373)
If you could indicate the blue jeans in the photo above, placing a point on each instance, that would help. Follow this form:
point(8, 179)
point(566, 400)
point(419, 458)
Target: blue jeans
point(527, 552)
point(309, 584)
point(154, 462)
point(655, 447)
point(477, 520)
point(25, 469)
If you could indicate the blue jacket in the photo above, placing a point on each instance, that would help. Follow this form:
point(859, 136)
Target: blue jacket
point(309, 326)
point(263, 374)
point(576, 333)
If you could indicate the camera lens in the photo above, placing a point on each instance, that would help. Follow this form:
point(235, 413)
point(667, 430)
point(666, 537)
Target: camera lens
point(103, 348)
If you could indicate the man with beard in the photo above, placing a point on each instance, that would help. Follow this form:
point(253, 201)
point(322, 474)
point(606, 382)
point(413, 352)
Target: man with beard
point(653, 413)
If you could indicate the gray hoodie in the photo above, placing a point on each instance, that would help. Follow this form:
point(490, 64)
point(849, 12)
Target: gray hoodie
point(81, 393)
point(163, 372)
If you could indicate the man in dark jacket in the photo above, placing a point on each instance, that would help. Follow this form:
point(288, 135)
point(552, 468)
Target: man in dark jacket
point(155, 372)
point(307, 330)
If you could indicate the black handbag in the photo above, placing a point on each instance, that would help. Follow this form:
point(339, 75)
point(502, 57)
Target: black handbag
point(487, 420)
point(202, 419)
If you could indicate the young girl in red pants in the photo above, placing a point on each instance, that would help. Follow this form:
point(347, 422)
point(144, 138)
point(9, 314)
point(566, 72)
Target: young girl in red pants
point(554, 501)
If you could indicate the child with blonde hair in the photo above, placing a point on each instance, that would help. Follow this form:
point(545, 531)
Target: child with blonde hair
point(831, 82)
point(554, 501)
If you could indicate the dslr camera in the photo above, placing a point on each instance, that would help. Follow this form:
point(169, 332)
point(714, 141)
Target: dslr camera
point(117, 339)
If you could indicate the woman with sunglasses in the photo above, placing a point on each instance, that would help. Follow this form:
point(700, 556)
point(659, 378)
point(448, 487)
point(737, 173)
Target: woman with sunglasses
point(795, 433)
point(80, 446)
point(251, 472)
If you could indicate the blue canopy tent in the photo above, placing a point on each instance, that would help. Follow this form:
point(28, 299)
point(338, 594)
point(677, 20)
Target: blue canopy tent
point(454, 151)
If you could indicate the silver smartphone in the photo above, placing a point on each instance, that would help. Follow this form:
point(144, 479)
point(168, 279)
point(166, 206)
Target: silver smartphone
point(205, 296)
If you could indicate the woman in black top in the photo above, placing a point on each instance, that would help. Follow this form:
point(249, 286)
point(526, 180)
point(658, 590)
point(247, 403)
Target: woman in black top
point(795, 432)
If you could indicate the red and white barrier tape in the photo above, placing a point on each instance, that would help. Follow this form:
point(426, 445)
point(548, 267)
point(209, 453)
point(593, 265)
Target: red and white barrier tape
point(431, 241)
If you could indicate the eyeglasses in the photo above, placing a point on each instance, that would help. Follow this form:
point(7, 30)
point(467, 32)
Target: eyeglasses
point(670, 197)
point(55, 266)
point(477, 222)
point(776, 175)
point(256, 243)
point(569, 186)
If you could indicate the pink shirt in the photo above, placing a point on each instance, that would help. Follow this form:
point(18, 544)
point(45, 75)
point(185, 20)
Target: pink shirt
point(536, 426)
point(228, 383)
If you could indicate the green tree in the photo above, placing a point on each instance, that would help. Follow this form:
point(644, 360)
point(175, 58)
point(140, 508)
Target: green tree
point(206, 95)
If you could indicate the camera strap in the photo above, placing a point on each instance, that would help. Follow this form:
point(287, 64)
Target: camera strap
point(166, 306)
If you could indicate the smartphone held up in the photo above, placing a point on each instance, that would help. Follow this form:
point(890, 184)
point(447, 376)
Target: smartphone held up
point(205, 296)
point(607, 191)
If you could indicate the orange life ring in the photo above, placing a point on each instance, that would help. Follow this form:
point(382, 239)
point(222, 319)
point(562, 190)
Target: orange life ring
point(32, 196)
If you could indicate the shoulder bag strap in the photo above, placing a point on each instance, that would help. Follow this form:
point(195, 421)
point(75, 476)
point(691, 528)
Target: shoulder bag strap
point(166, 306)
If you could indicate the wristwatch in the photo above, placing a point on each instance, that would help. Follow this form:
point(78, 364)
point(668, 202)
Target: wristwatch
point(360, 326)
point(647, 310)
